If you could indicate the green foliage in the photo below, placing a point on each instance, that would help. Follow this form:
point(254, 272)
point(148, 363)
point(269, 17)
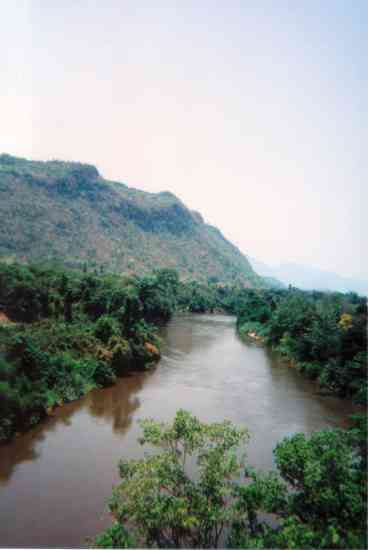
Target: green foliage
point(89, 329)
point(198, 298)
point(260, 493)
point(158, 294)
point(106, 327)
point(59, 211)
point(162, 502)
point(327, 504)
point(115, 536)
point(121, 355)
point(293, 315)
point(195, 491)
point(347, 378)
point(323, 505)
point(323, 334)
point(25, 292)
point(254, 308)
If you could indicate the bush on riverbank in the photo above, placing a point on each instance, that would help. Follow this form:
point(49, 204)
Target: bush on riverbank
point(74, 331)
point(324, 334)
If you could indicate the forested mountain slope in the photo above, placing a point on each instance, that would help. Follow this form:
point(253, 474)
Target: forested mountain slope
point(66, 211)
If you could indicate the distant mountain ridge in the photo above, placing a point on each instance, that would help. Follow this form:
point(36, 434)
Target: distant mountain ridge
point(309, 278)
point(66, 211)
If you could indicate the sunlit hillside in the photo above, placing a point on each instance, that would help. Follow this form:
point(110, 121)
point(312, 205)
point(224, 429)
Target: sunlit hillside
point(67, 211)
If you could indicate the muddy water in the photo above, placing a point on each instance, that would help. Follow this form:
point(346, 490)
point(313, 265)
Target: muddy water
point(55, 480)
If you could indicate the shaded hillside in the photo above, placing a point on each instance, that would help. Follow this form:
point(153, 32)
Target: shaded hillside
point(60, 210)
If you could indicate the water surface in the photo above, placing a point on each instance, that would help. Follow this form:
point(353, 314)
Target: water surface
point(55, 480)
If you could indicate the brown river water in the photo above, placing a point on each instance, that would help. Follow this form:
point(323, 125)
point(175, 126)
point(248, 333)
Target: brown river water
point(55, 480)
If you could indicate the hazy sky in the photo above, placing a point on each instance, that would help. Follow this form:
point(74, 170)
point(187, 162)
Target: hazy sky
point(252, 112)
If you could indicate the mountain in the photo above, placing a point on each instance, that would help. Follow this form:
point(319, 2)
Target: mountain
point(310, 278)
point(66, 211)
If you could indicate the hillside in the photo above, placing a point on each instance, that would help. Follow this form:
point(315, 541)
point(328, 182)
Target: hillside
point(66, 211)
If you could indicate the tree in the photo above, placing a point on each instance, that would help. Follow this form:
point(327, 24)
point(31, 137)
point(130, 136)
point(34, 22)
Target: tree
point(197, 493)
point(322, 338)
point(293, 316)
point(254, 307)
point(323, 504)
point(326, 507)
point(162, 501)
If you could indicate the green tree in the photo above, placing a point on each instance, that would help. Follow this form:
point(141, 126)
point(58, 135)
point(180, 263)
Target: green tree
point(254, 307)
point(326, 507)
point(163, 501)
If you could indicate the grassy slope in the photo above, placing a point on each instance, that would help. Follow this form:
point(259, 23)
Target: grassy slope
point(59, 210)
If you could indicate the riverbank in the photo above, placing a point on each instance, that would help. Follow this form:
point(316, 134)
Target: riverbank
point(321, 335)
point(252, 336)
point(51, 363)
point(74, 332)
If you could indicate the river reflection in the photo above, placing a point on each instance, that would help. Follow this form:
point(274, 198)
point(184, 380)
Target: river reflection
point(55, 480)
point(117, 404)
point(114, 405)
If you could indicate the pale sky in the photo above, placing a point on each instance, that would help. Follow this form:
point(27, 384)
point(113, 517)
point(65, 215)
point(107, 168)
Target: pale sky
point(252, 112)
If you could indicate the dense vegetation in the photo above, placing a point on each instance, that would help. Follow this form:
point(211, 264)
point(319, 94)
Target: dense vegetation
point(317, 498)
point(324, 334)
point(70, 332)
point(67, 211)
point(76, 330)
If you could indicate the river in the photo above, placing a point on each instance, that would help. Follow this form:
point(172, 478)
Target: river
point(55, 480)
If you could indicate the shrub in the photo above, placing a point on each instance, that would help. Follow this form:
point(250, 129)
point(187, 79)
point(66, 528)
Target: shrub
point(106, 327)
point(121, 354)
point(103, 374)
